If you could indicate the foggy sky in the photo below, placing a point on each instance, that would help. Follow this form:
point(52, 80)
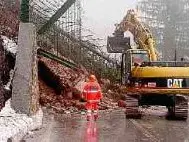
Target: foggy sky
point(101, 15)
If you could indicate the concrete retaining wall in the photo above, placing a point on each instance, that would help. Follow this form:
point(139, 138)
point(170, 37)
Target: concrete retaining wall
point(25, 84)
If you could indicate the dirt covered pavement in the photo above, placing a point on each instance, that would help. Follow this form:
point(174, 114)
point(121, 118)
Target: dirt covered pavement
point(111, 126)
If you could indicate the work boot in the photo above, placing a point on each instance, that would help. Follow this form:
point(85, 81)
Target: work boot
point(95, 115)
point(89, 115)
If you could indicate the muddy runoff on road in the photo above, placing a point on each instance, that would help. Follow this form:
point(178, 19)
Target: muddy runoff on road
point(112, 126)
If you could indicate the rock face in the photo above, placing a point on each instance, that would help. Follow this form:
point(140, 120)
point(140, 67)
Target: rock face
point(2, 69)
point(9, 25)
point(6, 64)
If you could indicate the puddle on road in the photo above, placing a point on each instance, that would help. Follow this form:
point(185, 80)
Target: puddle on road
point(113, 126)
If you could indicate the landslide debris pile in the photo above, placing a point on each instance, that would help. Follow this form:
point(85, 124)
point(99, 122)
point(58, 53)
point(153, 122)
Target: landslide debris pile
point(9, 18)
point(113, 96)
point(61, 87)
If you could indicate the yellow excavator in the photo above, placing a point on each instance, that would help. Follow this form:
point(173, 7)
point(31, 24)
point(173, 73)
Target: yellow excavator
point(147, 80)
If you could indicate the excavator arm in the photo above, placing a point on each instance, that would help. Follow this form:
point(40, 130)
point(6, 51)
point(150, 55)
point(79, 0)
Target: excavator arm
point(142, 34)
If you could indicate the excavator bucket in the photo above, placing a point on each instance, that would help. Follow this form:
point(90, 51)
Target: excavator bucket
point(118, 44)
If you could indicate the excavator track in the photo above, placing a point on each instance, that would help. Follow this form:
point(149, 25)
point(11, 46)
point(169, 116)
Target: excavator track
point(132, 107)
point(180, 108)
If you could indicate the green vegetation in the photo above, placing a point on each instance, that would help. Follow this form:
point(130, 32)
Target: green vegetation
point(24, 16)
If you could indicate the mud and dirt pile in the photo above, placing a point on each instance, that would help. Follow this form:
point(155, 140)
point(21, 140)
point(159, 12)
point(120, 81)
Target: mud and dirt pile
point(9, 18)
point(112, 95)
point(61, 88)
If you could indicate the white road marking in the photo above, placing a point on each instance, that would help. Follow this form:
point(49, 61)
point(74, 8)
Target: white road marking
point(47, 135)
point(144, 131)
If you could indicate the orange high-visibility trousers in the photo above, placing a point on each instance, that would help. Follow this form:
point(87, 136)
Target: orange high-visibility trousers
point(91, 106)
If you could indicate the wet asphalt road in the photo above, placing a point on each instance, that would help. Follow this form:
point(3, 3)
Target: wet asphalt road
point(111, 127)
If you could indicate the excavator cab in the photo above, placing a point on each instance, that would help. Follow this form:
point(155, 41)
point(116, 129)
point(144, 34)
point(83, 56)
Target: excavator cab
point(138, 57)
point(130, 59)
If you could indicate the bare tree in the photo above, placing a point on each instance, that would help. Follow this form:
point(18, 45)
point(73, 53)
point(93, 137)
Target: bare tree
point(169, 22)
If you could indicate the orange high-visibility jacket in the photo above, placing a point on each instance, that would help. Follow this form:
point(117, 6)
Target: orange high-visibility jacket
point(92, 92)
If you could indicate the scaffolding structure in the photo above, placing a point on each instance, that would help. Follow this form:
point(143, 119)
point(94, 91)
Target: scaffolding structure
point(60, 34)
point(59, 30)
point(169, 23)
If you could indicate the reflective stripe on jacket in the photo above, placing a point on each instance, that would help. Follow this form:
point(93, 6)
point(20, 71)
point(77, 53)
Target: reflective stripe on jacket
point(92, 92)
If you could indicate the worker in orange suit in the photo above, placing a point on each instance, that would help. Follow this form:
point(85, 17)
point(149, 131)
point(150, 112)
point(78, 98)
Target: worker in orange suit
point(92, 94)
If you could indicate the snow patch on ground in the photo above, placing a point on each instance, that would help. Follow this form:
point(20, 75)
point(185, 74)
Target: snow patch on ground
point(155, 110)
point(14, 125)
point(8, 85)
point(9, 45)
